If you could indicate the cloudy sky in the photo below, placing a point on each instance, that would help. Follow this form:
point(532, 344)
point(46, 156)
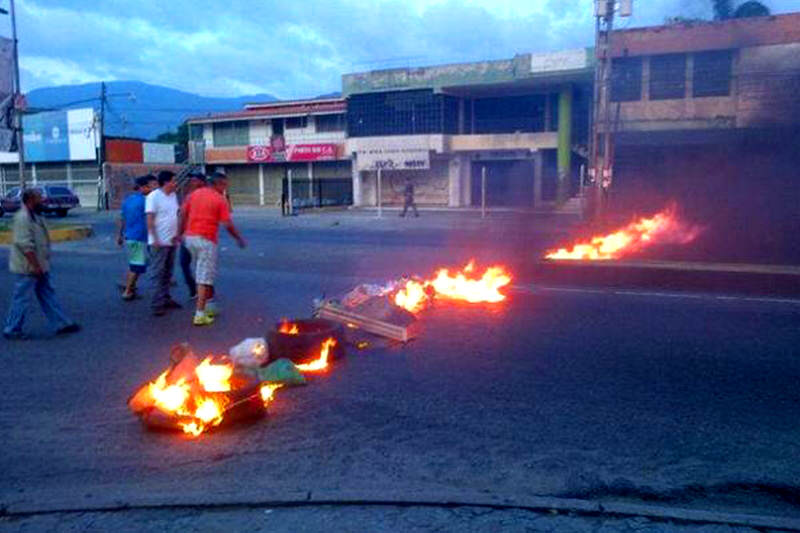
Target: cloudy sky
point(294, 48)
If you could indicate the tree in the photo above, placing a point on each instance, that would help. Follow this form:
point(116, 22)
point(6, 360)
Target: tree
point(723, 9)
point(181, 136)
point(751, 9)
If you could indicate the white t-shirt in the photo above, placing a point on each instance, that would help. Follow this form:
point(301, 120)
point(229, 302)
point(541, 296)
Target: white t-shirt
point(165, 208)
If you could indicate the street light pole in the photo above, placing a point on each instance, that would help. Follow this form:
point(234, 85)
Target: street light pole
point(18, 100)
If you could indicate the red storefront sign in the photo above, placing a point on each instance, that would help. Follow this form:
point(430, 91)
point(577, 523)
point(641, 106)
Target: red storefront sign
point(293, 152)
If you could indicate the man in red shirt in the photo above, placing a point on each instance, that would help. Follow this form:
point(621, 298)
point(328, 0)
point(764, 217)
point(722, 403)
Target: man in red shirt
point(202, 213)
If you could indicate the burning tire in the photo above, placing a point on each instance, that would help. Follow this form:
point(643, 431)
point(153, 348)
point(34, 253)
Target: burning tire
point(194, 396)
point(301, 340)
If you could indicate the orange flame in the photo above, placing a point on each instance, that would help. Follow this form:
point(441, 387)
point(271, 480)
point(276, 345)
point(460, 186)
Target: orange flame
point(321, 363)
point(214, 378)
point(289, 328)
point(462, 286)
point(661, 227)
point(412, 297)
point(193, 400)
point(267, 392)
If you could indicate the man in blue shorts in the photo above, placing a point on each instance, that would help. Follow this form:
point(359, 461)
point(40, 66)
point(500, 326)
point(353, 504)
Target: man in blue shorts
point(133, 233)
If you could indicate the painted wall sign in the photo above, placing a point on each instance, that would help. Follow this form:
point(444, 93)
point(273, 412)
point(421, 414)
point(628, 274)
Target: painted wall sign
point(293, 153)
point(393, 158)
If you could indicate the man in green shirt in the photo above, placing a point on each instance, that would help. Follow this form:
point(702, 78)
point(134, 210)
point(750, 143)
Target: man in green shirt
point(29, 260)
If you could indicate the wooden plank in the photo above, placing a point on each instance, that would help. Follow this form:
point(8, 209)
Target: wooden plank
point(344, 316)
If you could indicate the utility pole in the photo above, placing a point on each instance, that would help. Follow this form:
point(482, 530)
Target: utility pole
point(18, 100)
point(101, 203)
point(600, 165)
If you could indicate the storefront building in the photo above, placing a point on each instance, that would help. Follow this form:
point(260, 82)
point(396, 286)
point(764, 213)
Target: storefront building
point(512, 133)
point(277, 150)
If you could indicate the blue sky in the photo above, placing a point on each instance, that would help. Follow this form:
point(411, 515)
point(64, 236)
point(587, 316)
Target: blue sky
point(291, 48)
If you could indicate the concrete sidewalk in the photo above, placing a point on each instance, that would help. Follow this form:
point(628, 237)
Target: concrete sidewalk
point(733, 278)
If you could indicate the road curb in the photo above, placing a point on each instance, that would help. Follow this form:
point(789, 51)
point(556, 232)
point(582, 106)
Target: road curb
point(74, 233)
point(434, 498)
point(761, 280)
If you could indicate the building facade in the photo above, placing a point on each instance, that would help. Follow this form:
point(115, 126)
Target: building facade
point(512, 133)
point(271, 150)
point(706, 115)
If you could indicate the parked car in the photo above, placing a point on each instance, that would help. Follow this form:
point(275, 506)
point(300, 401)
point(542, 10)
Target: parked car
point(56, 199)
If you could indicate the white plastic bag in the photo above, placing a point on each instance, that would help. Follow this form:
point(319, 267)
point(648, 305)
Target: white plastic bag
point(250, 353)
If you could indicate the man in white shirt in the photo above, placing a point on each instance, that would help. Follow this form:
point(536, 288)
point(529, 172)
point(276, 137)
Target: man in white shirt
point(161, 207)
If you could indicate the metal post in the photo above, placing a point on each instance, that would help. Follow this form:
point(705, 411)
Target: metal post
point(380, 196)
point(291, 204)
point(260, 184)
point(483, 191)
point(101, 193)
point(17, 99)
point(310, 180)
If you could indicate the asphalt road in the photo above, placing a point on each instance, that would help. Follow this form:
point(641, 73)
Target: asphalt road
point(676, 400)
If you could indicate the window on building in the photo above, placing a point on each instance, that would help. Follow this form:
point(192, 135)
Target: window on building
point(396, 113)
point(329, 123)
point(712, 73)
point(450, 114)
point(626, 79)
point(667, 77)
point(296, 123)
point(195, 132)
point(510, 114)
point(232, 133)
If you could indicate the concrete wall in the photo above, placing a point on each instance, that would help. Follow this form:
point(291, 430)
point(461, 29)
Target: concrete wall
point(718, 35)
point(768, 85)
point(509, 141)
point(478, 73)
point(431, 187)
point(426, 77)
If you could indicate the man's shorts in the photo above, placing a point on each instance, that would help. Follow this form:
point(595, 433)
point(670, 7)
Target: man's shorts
point(137, 256)
point(204, 255)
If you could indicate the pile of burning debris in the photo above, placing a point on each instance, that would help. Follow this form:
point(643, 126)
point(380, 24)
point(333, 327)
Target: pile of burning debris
point(196, 394)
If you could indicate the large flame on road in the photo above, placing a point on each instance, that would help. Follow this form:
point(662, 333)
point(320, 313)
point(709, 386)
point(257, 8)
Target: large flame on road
point(464, 285)
point(321, 363)
point(663, 227)
point(193, 393)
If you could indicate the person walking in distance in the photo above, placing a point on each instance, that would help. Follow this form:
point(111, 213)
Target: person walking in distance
point(196, 180)
point(161, 207)
point(29, 260)
point(408, 198)
point(201, 216)
point(133, 233)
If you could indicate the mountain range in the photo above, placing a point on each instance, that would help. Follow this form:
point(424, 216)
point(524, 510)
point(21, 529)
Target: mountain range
point(137, 109)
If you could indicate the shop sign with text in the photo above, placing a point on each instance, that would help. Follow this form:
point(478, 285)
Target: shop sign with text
point(293, 153)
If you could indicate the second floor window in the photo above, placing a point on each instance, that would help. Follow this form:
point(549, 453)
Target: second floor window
point(626, 79)
point(712, 73)
point(667, 77)
point(232, 133)
point(195, 132)
point(296, 123)
point(329, 123)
